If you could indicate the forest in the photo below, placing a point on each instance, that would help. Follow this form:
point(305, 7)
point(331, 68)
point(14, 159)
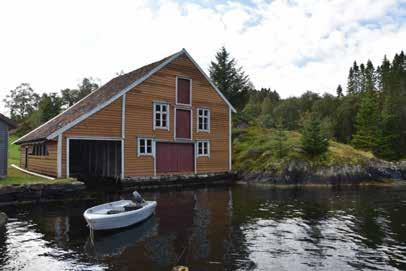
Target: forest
point(369, 113)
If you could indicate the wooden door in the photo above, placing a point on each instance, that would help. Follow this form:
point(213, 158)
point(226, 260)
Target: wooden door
point(183, 91)
point(183, 123)
point(174, 157)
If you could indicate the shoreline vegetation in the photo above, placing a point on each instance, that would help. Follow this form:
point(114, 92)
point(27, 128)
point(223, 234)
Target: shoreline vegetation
point(256, 160)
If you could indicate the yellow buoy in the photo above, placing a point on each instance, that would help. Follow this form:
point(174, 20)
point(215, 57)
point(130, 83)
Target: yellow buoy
point(180, 268)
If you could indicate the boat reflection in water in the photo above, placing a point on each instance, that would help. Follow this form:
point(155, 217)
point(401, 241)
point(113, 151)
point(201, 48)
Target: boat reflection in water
point(114, 243)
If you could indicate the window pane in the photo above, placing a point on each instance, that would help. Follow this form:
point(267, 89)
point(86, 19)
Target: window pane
point(200, 112)
point(157, 107)
point(149, 149)
point(164, 108)
point(206, 112)
point(158, 122)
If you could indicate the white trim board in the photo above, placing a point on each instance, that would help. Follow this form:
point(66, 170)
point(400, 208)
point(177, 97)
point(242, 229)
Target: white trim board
point(59, 157)
point(32, 173)
point(230, 145)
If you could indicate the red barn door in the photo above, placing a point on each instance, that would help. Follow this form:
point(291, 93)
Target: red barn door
point(174, 157)
point(183, 123)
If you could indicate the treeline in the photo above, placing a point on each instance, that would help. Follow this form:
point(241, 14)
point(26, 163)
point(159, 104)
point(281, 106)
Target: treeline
point(30, 109)
point(370, 115)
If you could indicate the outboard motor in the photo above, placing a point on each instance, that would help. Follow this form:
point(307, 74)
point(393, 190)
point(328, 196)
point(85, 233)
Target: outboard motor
point(137, 198)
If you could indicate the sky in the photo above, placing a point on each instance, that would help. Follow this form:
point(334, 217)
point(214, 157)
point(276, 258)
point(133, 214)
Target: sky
point(288, 45)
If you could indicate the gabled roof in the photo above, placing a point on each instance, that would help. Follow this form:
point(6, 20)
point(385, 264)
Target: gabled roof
point(102, 97)
point(11, 124)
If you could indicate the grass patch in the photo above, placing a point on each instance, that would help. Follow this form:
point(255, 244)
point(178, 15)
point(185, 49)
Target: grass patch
point(254, 151)
point(13, 151)
point(15, 176)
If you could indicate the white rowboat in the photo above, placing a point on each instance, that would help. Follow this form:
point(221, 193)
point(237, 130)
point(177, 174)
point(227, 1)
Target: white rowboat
point(118, 214)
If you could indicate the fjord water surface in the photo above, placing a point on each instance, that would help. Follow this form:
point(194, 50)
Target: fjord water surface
point(227, 228)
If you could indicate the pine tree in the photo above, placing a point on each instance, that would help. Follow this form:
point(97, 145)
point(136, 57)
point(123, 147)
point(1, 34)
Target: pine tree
point(362, 79)
point(388, 139)
point(350, 82)
point(313, 142)
point(369, 77)
point(339, 91)
point(367, 123)
point(279, 140)
point(230, 79)
point(266, 116)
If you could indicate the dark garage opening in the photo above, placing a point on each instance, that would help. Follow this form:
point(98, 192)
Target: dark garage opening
point(94, 158)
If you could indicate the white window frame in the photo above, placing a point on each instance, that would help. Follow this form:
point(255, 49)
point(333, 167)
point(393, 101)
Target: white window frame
point(154, 104)
point(190, 90)
point(208, 148)
point(139, 147)
point(208, 119)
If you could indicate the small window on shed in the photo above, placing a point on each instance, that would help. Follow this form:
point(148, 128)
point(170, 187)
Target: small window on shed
point(39, 149)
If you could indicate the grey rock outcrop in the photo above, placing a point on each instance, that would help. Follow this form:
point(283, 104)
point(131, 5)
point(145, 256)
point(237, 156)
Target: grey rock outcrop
point(301, 172)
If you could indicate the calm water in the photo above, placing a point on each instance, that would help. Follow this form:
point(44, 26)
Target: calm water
point(238, 228)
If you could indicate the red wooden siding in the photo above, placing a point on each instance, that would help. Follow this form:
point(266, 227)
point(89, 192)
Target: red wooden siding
point(171, 157)
point(183, 91)
point(182, 123)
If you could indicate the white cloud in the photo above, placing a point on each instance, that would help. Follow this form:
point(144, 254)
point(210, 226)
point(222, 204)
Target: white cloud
point(291, 46)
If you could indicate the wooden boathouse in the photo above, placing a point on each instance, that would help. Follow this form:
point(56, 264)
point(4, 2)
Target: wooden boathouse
point(165, 118)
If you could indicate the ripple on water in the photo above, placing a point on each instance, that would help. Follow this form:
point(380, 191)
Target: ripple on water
point(26, 249)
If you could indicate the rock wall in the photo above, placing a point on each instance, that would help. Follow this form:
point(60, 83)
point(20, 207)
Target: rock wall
point(14, 194)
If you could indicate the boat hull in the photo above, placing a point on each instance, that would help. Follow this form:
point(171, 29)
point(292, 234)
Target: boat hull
point(99, 221)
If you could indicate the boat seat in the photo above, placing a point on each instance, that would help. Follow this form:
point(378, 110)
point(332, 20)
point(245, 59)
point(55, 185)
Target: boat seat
point(114, 211)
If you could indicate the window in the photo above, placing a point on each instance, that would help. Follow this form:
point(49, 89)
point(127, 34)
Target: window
point(183, 91)
point(203, 120)
point(39, 149)
point(161, 116)
point(203, 148)
point(145, 146)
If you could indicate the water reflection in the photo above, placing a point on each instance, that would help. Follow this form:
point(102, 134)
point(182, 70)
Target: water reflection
point(238, 228)
point(108, 244)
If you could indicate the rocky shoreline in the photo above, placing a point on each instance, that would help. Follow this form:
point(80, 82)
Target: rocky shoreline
point(29, 193)
point(301, 173)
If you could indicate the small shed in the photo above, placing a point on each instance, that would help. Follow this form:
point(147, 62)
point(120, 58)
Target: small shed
point(5, 125)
